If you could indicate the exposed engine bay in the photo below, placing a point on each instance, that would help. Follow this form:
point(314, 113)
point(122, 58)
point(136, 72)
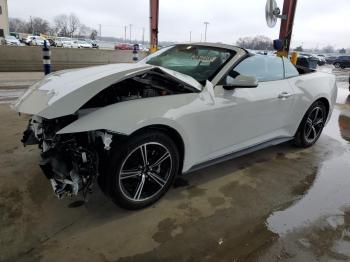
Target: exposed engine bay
point(72, 161)
point(151, 84)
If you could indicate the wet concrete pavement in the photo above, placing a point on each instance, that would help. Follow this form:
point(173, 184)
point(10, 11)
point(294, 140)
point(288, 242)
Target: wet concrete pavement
point(279, 204)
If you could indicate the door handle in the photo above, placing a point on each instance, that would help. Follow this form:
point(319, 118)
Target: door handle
point(284, 95)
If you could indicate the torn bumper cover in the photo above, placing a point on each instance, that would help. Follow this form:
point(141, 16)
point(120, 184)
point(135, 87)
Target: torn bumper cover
point(70, 162)
point(69, 174)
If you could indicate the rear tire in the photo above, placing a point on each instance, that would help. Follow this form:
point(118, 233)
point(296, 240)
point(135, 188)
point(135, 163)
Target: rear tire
point(142, 169)
point(311, 126)
point(337, 65)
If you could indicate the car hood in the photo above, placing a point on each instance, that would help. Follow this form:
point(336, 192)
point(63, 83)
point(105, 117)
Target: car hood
point(64, 92)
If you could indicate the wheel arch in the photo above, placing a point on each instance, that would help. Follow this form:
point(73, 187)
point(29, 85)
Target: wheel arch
point(326, 103)
point(172, 133)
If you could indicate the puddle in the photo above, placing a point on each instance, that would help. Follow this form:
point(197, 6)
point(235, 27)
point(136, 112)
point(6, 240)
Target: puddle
point(317, 225)
point(328, 195)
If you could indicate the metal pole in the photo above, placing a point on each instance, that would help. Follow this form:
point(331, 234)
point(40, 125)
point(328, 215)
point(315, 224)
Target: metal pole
point(125, 28)
point(205, 32)
point(286, 29)
point(31, 25)
point(130, 32)
point(190, 36)
point(100, 30)
point(143, 35)
point(154, 14)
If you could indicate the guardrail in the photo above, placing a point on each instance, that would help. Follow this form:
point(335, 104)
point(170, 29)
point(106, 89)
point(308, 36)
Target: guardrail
point(29, 58)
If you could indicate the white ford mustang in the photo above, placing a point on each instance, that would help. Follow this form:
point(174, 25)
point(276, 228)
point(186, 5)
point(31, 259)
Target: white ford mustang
point(136, 126)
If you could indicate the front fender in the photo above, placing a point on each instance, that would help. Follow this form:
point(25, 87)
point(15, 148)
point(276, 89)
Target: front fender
point(130, 116)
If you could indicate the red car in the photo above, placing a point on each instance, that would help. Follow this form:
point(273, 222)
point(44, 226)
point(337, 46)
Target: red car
point(123, 47)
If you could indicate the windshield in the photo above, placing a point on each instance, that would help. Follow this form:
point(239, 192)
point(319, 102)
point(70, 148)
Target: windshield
point(200, 62)
point(10, 37)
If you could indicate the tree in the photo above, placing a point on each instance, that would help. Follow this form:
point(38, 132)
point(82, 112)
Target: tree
point(40, 26)
point(17, 25)
point(299, 49)
point(256, 43)
point(61, 25)
point(328, 49)
point(84, 30)
point(73, 24)
point(67, 25)
point(342, 51)
point(93, 34)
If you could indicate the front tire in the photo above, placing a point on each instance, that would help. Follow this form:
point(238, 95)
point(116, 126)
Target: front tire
point(311, 126)
point(142, 169)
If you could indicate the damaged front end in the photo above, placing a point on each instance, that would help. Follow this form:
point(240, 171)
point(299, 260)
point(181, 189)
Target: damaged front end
point(73, 157)
point(69, 161)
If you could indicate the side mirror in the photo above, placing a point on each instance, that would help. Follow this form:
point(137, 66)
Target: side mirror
point(240, 81)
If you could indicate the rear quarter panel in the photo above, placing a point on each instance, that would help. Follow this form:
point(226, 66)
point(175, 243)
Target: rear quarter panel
point(307, 89)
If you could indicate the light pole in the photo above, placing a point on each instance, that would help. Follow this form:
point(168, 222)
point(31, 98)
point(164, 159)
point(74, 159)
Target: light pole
point(31, 25)
point(205, 32)
point(190, 36)
point(130, 32)
point(125, 28)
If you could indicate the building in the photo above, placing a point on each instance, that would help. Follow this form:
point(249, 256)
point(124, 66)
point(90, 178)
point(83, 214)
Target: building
point(4, 19)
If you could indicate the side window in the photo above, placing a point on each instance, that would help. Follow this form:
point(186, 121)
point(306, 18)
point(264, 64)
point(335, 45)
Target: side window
point(263, 68)
point(274, 68)
point(252, 66)
point(289, 68)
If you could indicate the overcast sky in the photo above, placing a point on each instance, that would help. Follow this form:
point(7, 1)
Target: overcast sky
point(317, 22)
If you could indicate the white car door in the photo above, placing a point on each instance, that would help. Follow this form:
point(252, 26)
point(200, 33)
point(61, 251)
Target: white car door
point(244, 117)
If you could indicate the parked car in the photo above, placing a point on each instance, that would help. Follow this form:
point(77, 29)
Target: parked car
point(75, 43)
point(331, 59)
point(91, 42)
point(344, 120)
point(27, 40)
point(143, 48)
point(135, 126)
point(83, 44)
point(124, 47)
point(36, 41)
point(52, 42)
point(321, 60)
point(11, 40)
point(70, 43)
point(342, 62)
point(59, 41)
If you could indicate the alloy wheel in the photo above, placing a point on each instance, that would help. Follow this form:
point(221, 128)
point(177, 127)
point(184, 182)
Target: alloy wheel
point(314, 124)
point(145, 171)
